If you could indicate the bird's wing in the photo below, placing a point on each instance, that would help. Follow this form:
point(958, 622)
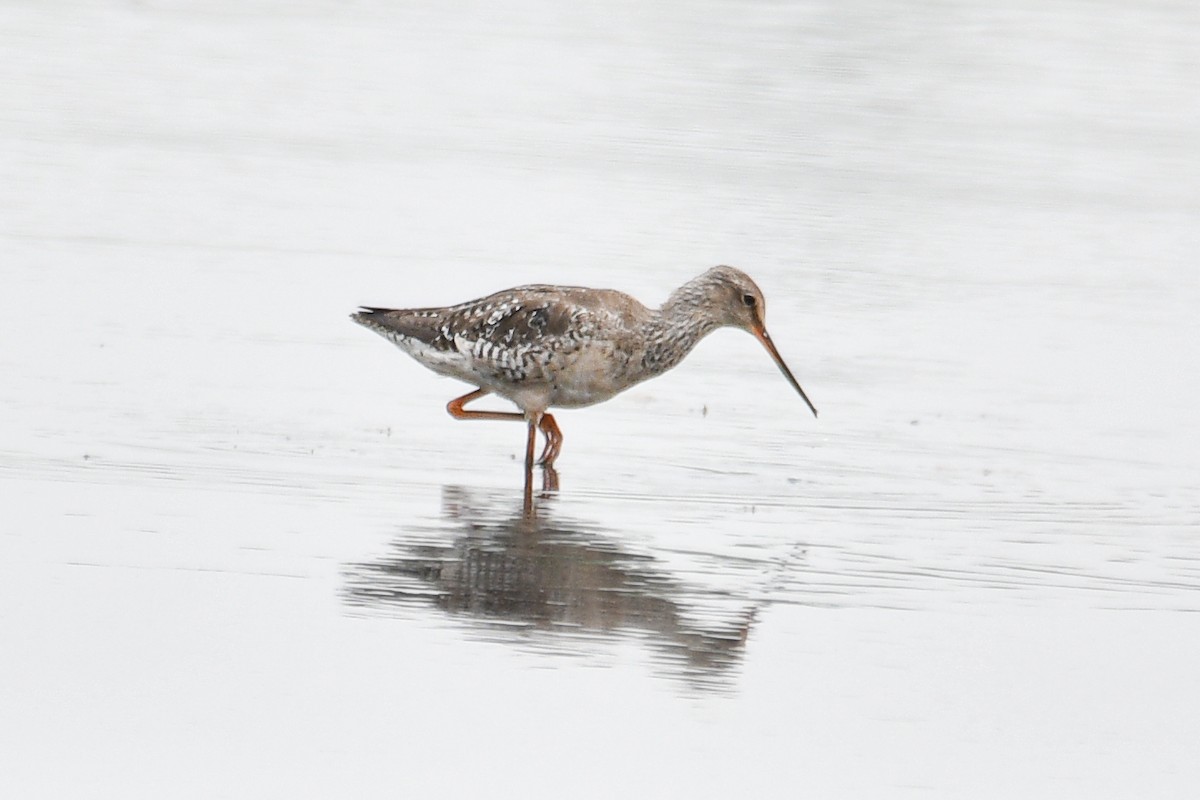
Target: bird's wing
point(510, 336)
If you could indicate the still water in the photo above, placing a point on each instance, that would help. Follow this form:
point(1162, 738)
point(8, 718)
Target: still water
point(246, 553)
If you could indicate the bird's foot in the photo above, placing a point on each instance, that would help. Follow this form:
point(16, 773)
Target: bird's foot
point(549, 479)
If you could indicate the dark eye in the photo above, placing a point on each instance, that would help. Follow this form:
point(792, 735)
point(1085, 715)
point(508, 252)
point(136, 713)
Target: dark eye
point(748, 300)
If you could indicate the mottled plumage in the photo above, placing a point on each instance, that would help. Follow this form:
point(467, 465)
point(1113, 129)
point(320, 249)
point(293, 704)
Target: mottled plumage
point(545, 346)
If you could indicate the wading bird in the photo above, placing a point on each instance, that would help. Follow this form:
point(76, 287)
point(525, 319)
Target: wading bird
point(544, 346)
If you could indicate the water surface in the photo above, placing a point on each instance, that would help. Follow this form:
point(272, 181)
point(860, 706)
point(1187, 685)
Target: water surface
point(247, 553)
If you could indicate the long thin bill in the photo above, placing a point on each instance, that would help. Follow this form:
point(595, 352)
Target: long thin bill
point(762, 336)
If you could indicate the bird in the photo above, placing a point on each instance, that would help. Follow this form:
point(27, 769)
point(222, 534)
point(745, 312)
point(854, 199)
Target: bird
point(544, 346)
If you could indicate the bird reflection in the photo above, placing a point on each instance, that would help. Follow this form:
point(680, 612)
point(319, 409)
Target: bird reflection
point(535, 580)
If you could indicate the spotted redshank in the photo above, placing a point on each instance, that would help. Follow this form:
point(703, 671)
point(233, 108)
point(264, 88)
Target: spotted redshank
point(546, 346)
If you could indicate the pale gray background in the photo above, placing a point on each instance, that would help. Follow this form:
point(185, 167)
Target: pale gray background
point(975, 224)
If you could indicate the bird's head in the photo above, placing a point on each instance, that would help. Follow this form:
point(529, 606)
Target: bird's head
point(735, 300)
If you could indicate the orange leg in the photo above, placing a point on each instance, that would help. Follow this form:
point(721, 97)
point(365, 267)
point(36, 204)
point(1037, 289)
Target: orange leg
point(455, 407)
point(554, 439)
point(549, 479)
point(529, 446)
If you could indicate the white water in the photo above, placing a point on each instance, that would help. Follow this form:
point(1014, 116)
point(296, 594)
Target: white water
point(246, 552)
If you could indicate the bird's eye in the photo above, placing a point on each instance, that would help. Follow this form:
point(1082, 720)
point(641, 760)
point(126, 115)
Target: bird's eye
point(748, 300)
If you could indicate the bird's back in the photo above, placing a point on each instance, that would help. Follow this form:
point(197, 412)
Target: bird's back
point(520, 339)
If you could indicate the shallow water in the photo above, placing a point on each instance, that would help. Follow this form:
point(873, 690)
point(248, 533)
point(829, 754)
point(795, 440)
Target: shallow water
point(247, 553)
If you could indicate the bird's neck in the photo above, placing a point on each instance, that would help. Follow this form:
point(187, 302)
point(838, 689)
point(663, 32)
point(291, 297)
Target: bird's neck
point(673, 330)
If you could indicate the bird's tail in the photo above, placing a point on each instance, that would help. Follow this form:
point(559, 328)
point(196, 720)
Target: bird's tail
point(399, 323)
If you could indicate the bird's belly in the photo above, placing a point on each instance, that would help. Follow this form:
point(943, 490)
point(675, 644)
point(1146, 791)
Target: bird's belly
point(578, 397)
point(590, 376)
